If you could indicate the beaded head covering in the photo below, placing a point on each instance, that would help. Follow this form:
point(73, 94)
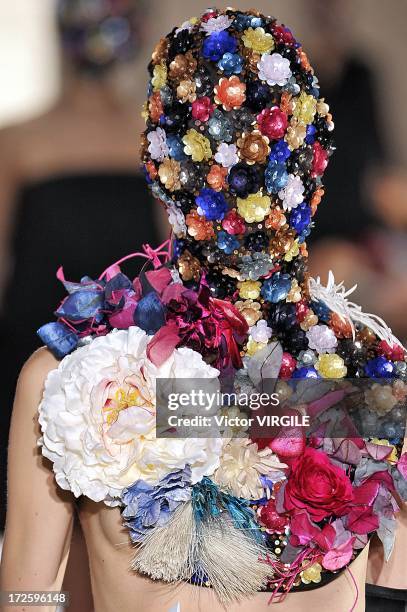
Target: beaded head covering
point(236, 143)
point(98, 34)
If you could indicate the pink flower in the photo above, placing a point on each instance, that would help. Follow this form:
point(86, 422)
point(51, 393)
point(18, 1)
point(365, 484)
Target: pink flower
point(317, 486)
point(272, 122)
point(274, 69)
point(202, 109)
point(320, 160)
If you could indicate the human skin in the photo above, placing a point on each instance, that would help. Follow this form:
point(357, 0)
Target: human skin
point(39, 528)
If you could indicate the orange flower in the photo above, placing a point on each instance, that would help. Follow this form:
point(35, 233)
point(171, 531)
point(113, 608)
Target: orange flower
point(199, 227)
point(316, 199)
point(230, 93)
point(189, 267)
point(161, 51)
point(155, 107)
point(340, 326)
point(286, 103)
point(151, 169)
point(182, 66)
point(304, 60)
point(216, 177)
point(254, 147)
point(276, 219)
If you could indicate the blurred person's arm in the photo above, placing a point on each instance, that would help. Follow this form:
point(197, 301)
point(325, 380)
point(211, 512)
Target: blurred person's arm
point(8, 188)
point(39, 515)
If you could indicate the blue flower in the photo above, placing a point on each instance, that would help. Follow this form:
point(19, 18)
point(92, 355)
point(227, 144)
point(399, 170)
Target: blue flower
point(231, 63)
point(311, 131)
point(280, 152)
point(148, 506)
point(276, 176)
point(211, 204)
point(220, 127)
point(218, 43)
point(244, 21)
point(276, 288)
point(59, 338)
point(321, 310)
point(227, 243)
point(150, 313)
point(379, 367)
point(306, 373)
point(300, 218)
point(176, 147)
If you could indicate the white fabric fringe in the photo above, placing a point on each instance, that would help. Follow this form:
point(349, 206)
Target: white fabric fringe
point(335, 297)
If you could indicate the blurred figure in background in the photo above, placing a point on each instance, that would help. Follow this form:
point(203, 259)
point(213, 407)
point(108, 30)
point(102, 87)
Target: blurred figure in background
point(70, 191)
point(361, 228)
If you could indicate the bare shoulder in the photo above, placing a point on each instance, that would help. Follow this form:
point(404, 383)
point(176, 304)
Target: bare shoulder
point(34, 373)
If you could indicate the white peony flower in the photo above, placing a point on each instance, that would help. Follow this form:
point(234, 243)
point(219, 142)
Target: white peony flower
point(274, 69)
point(216, 24)
point(158, 147)
point(97, 417)
point(293, 192)
point(177, 221)
point(227, 155)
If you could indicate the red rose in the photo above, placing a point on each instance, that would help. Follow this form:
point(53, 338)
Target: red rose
point(317, 486)
point(320, 160)
point(272, 123)
point(202, 109)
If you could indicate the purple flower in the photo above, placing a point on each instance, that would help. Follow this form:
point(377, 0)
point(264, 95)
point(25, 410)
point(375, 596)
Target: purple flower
point(276, 288)
point(227, 155)
point(227, 243)
point(243, 180)
point(274, 69)
point(158, 147)
point(211, 204)
point(218, 43)
point(148, 506)
point(216, 24)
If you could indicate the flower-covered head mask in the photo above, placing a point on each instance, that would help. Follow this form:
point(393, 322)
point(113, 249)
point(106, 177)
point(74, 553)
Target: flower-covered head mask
point(236, 143)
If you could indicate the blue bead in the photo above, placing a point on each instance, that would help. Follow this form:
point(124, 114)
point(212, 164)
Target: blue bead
point(300, 217)
point(321, 310)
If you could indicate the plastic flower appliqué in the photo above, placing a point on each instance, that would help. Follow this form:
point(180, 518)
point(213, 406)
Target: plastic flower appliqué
point(276, 176)
point(227, 243)
point(331, 366)
point(109, 413)
point(221, 127)
point(258, 40)
point(272, 123)
point(197, 146)
point(255, 207)
point(159, 79)
point(241, 466)
point(250, 309)
point(177, 221)
point(169, 174)
point(230, 92)
point(198, 227)
point(147, 506)
point(231, 63)
point(249, 290)
point(202, 109)
point(261, 332)
point(217, 44)
point(322, 339)
point(244, 179)
point(157, 148)
point(293, 193)
point(254, 147)
point(211, 204)
point(227, 155)
point(186, 91)
point(274, 69)
point(255, 265)
point(217, 177)
point(176, 147)
point(216, 24)
point(305, 108)
point(276, 288)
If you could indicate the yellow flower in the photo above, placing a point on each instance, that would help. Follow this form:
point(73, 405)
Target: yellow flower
point(305, 108)
point(295, 292)
point(258, 40)
point(292, 252)
point(331, 365)
point(249, 290)
point(186, 91)
point(159, 79)
point(392, 458)
point(255, 207)
point(144, 112)
point(295, 134)
point(312, 574)
point(197, 146)
point(252, 347)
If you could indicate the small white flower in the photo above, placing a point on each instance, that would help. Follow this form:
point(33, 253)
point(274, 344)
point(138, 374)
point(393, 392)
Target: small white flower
point(274, 69)
point(322, 339)
point(177, 221)
point(293, 193)
point(261, 332)
point(187, 25)
point(216, 24)
point(227, 155)
point(158, 147)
